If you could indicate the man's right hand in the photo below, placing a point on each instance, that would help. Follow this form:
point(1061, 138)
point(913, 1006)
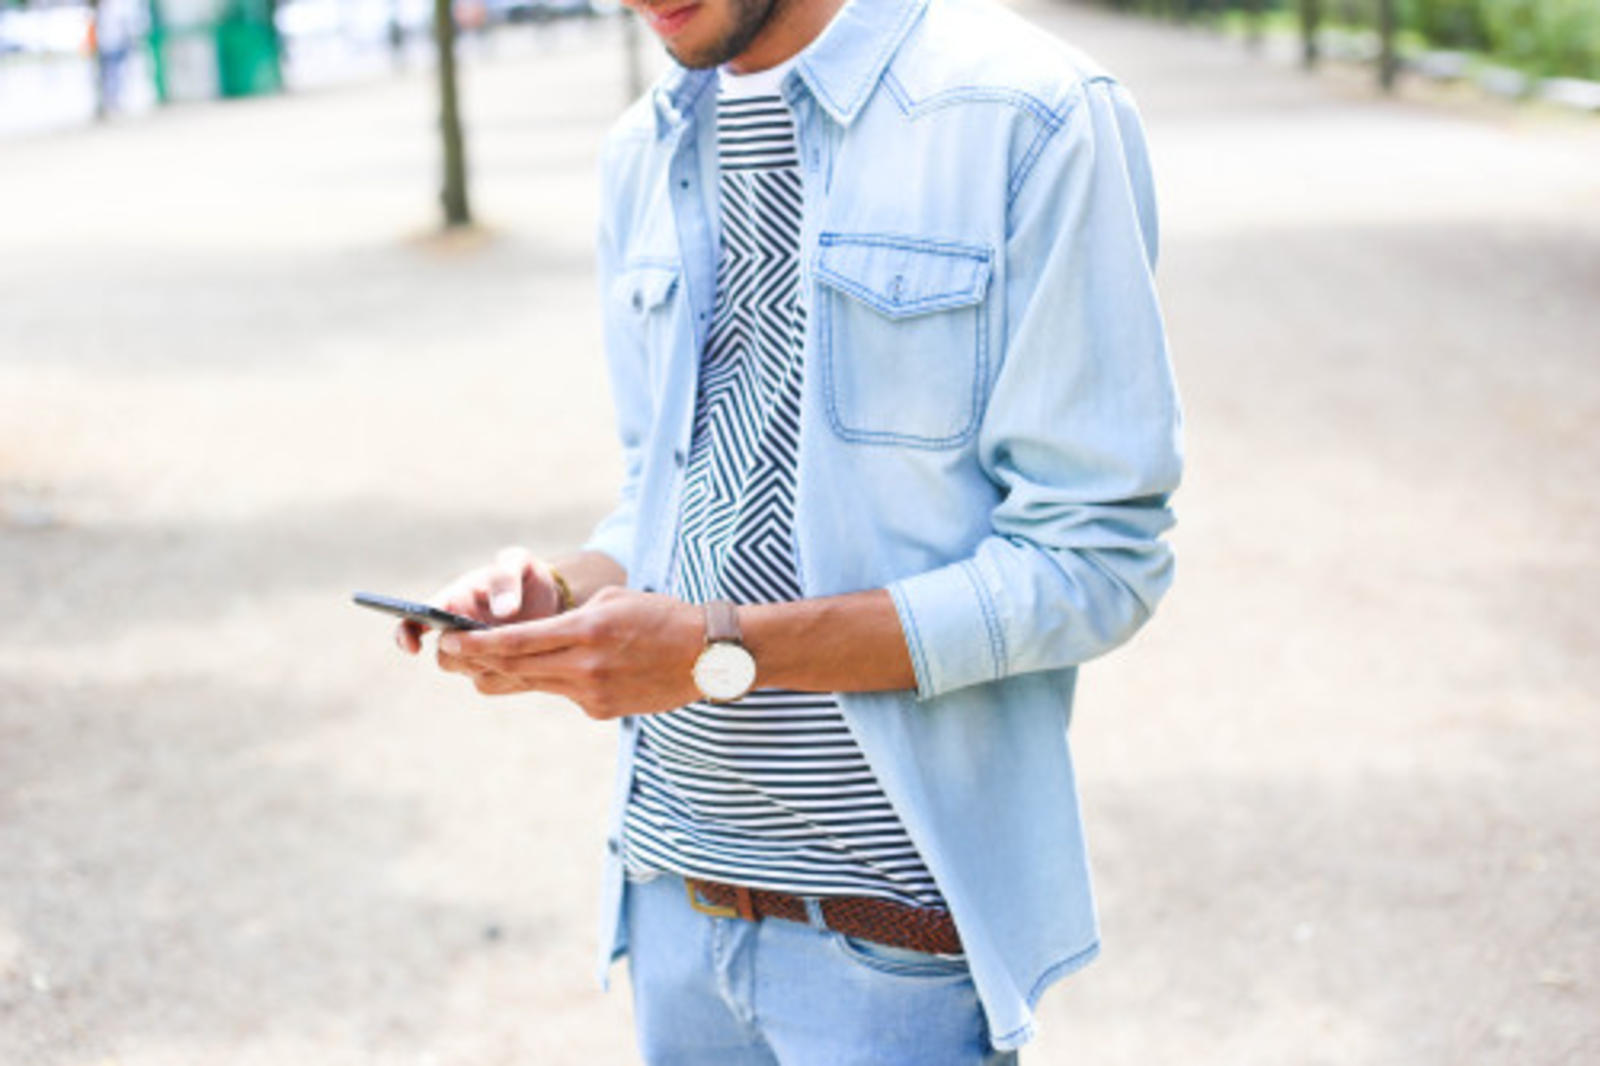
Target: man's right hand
point(516, 588)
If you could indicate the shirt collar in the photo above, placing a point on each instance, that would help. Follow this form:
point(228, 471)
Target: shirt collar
point(841, 67)
point(844, 65)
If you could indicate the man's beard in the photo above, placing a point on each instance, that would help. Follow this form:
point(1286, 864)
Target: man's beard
point(749, 16)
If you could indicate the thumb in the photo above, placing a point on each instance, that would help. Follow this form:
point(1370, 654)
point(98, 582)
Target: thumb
point(505, 581)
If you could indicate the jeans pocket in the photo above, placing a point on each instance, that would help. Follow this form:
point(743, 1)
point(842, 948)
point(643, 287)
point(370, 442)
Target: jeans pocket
point(900, 962)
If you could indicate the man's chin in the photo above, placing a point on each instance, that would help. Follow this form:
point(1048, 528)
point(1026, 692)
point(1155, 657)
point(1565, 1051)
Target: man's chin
point(692, 60)
point(703, 58)
point(709, 45)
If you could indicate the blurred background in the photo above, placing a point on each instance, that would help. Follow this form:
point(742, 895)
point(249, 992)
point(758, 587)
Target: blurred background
point(296, 297)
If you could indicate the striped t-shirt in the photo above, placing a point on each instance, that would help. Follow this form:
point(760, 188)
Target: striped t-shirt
point(770, 791)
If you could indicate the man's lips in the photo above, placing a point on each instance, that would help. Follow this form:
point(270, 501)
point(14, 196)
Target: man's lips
point(667, 21)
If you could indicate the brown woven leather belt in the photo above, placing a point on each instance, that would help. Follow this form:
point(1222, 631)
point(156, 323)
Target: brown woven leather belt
point(881, 921)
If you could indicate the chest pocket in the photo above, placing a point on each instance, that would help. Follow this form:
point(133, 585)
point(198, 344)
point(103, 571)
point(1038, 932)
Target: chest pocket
point(903, 337)
point(641, 300)
point(642, 288)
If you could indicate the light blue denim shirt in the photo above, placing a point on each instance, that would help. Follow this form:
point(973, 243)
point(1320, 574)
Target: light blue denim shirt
point(989, 425)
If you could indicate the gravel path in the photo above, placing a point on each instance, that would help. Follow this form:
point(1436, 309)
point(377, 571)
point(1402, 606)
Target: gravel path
point(1342, 795)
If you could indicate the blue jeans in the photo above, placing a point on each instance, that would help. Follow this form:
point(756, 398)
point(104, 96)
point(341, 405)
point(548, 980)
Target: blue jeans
point(725, 992)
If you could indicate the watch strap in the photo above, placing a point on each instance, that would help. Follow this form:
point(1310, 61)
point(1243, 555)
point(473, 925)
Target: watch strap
point(722, 623)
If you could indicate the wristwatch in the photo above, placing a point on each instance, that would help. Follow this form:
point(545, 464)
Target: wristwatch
point(725, 670)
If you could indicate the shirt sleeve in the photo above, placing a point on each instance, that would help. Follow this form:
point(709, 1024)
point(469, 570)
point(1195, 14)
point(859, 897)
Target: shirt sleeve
point(1081, 432)
point(627, 364)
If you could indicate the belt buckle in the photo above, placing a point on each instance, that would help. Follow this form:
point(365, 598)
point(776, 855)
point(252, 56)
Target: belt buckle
point(709, 909)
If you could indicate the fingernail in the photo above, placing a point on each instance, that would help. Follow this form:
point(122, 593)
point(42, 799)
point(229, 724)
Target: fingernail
point(449, 643)
point(503, 603)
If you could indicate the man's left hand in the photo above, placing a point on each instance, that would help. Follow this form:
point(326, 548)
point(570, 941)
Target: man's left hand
point(623, 652)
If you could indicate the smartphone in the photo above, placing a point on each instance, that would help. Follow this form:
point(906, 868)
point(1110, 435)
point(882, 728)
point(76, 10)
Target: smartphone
point(420, 613)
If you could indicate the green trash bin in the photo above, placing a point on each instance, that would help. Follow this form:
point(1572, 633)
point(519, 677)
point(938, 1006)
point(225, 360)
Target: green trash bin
point(203, 49)
point(247, 50)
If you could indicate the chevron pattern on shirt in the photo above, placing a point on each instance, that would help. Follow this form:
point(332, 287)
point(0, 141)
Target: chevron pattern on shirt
point(771, 791)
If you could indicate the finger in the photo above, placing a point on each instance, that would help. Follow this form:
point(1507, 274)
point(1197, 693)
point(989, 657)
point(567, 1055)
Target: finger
point(465, 595)
point(408, 635)
point(508, 667)
point(559, 672)
point(538, 637)
point(455, 664)
point(498, 685)
point(511, 567)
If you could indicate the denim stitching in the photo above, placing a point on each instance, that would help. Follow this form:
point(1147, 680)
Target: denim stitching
point(974, 94)
point(875, 71)
point(991, 619)
point(953, 249)
point(819, 88)
point(1060, 969)
point(897, 93)
point(943, 302)
point(883, 436)
point(936, 969)
point(890, 240)
point(980, 376)
point(918, 659)
point(1026, 164)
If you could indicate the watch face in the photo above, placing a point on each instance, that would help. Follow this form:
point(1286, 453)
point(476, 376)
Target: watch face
point(724, 671)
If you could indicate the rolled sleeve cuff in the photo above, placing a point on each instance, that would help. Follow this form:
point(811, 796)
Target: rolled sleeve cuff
point(952, 628)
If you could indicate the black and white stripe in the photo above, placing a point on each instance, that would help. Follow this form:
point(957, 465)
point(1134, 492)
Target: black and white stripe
point(755, 133)
point(770, 792)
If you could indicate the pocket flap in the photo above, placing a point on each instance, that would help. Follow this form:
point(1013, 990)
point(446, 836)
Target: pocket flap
point(903, 276)
point(645, 288)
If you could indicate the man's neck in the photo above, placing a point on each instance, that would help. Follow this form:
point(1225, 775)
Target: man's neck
point(793, 25)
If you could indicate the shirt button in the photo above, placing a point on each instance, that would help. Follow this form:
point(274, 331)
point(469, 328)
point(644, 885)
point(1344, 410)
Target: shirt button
point(613, 846)
point(678, 457)
point(638, 301)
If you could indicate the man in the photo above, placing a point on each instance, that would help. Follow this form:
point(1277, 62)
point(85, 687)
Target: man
point(900, 431)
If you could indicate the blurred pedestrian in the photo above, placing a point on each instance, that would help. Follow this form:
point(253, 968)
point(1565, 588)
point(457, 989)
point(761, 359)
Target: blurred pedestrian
point(900, 431)
point(115, 30)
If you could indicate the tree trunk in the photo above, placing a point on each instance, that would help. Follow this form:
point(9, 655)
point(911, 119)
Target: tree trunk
point(454, 194)
point(1388, 60)
point(1310, 22)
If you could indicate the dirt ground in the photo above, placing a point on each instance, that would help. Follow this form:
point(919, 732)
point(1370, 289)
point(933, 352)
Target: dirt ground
point(1342, 794)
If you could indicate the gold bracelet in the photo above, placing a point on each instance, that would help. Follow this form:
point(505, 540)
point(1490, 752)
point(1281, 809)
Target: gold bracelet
point(563, 590)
